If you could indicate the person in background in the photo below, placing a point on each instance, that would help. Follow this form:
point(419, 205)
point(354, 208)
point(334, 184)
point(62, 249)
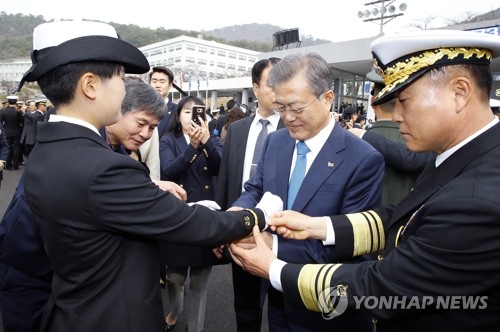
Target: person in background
point(213, 123)
point(340, 173)
point(223, 119)
point(360, 121)
point(12, 120)
point(4, 151)
point(28, 136)
point(397, 184)
point(99, 213)
point(190, 157)
point(440, 264)
point(30, 105)
point(161, 78)
point(234, 114)
point(237, 165)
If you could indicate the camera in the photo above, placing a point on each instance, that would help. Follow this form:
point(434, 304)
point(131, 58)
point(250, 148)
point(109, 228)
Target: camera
point(346, 117)
point(198, 111)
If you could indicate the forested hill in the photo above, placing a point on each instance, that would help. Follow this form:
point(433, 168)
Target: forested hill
point(16, 35)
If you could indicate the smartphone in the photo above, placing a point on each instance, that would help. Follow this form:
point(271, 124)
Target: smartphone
point(198, 111)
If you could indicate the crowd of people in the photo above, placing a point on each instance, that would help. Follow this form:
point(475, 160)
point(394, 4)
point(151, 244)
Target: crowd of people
point(126, 192)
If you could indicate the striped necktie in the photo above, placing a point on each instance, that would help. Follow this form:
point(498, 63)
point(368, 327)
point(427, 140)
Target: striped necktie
point(259, 144)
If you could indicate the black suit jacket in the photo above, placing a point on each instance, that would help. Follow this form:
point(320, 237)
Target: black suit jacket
point(447, 231)
point(229, 182)
point(166, 122)
point(12, 121)
point(101, 218)
point(28, 135)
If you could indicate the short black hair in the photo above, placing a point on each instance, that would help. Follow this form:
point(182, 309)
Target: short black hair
point(162, 69)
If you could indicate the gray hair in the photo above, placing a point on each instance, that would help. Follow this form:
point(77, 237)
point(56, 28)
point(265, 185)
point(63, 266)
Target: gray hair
point(141, 96)
point(317, 72)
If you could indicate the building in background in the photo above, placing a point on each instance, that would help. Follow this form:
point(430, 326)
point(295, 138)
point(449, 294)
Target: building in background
point(195, 60)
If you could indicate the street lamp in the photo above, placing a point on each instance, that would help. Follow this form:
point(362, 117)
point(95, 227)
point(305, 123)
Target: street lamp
point(384, 11)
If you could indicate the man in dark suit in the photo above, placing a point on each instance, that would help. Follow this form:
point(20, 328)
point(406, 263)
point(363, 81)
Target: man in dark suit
point(235, 169)
point(215, 119)
point(28, 137)
point(162, 79)
point(440, 268)
point(99, 214)
point(4, 151)
point(342, 174)
point(12, 120)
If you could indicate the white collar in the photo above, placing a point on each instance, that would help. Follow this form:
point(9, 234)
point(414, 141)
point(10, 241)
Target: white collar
point(443, 156)
point(63, 118)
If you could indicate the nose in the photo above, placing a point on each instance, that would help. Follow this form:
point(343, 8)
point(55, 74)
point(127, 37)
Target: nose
point(146, 132)
point(290, 116)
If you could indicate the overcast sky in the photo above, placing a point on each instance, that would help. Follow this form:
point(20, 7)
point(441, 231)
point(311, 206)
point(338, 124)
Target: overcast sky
point(326, 19)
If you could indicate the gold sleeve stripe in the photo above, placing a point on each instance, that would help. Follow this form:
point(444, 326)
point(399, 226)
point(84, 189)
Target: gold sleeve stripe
point(313, 280)
point(368, 232)
point(379, 226)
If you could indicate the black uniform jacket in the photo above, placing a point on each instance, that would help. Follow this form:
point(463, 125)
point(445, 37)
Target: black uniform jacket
point(101, 218)
point(441, 246)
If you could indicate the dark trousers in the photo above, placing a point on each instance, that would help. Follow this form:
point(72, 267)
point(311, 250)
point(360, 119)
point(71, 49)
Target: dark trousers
point(22, 299)
point(27, 149)
point(14, 151)
point(248, 299)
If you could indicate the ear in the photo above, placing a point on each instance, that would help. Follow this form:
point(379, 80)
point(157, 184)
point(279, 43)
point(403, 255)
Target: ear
point(329, 97)
point(89, 85)
point(255, 88)
point(462, 88)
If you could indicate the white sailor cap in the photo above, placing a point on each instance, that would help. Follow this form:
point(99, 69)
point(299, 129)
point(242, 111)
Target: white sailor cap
point(59, 43)
point(400, 59)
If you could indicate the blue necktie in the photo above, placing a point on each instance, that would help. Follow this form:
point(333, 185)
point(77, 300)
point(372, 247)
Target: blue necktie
point(298, 173)
point(259, 144)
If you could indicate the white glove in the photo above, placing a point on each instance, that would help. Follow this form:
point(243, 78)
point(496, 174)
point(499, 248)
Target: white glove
point(212, 205)
point(270, 204)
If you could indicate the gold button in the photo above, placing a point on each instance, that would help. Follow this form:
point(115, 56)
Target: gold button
point(374, 321)
point(207, 187)
point(342, 290)
point(205, 168)
point(380, 257)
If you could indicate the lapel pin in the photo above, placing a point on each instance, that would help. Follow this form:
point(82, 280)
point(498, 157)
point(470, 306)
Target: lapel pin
point(330, 164)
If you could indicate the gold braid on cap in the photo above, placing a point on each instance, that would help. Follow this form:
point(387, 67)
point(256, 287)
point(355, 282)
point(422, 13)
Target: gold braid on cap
point(402, 70)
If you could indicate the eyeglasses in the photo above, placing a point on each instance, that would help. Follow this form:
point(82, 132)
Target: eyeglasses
point(281, 110)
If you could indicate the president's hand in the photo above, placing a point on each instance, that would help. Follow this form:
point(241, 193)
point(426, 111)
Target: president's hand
point(256, 260)
point(297, 226)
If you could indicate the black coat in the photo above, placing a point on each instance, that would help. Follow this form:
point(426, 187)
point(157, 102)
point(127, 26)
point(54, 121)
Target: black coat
point(12, 121)
point(101, 218)
point(449, 247)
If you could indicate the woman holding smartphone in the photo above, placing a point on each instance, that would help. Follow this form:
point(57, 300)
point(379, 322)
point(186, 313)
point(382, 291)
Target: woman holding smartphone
point(190, 157)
